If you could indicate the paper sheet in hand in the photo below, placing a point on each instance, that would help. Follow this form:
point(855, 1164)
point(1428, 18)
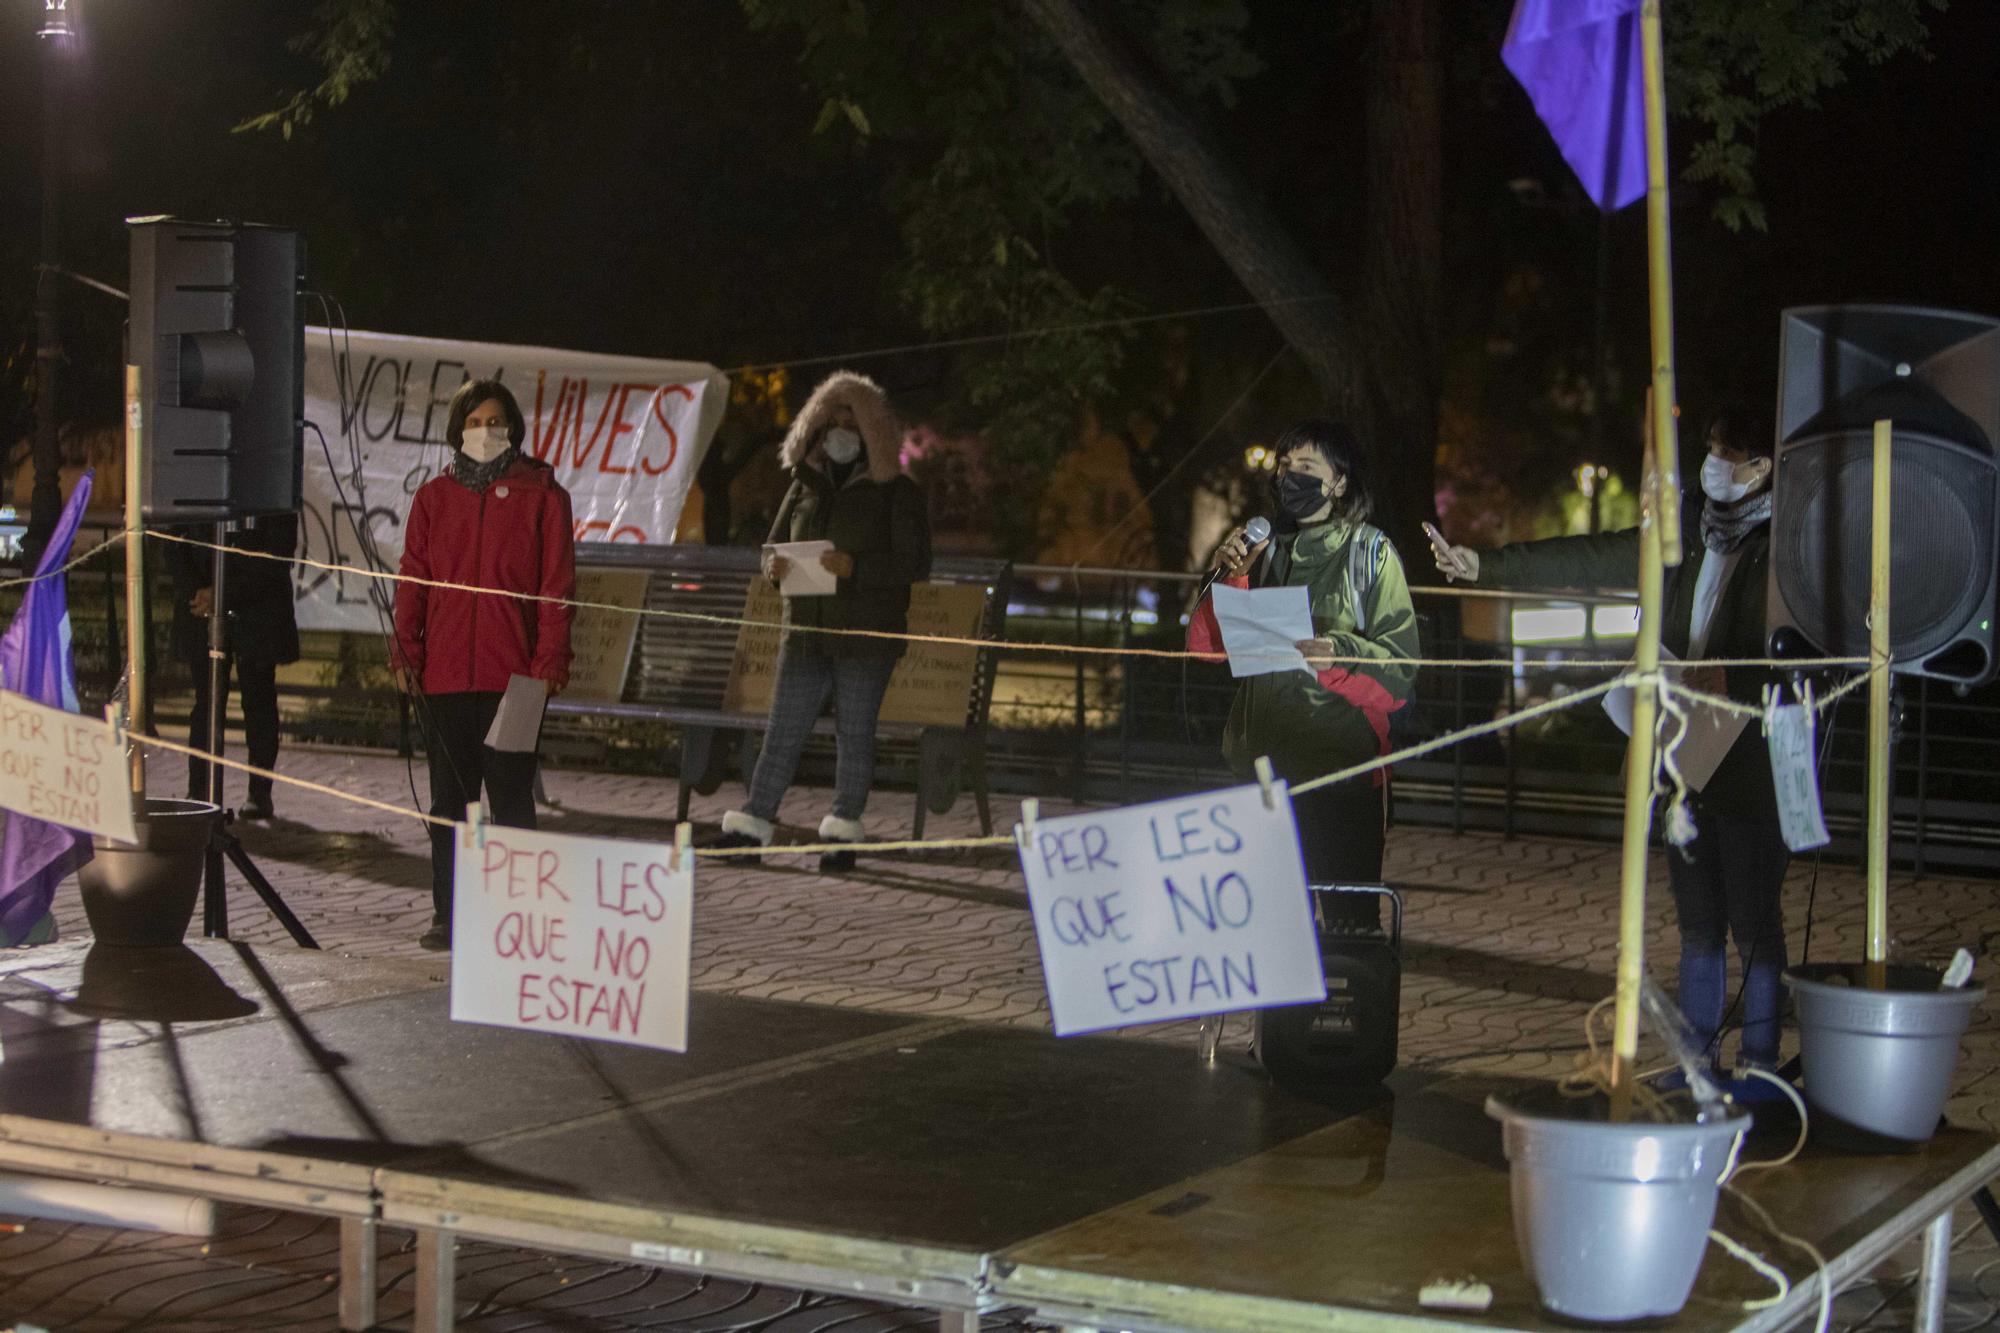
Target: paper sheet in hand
point(807, 577)
point(1702, 747)
point(1261, 628)
point(517, 726)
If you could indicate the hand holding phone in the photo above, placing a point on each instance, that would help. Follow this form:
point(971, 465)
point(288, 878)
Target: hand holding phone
point(1454, 562)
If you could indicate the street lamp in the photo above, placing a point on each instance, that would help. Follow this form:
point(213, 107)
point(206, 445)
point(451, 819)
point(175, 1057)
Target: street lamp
point(57, 35)
point(56, 19)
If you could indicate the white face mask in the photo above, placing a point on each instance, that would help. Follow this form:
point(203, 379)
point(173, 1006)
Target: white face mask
point(1725, 482)
point(483, 444)
point(842, 445)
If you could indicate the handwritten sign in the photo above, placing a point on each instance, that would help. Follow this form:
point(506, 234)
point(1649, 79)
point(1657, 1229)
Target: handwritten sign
point(63, 768)
point(1172, 910)
point(1788, 729)
point(586, 937)
point(602, 640)
point(932, 684)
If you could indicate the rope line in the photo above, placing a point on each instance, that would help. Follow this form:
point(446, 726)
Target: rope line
point(75, 561)
point(905, 844)
point(1091, 650)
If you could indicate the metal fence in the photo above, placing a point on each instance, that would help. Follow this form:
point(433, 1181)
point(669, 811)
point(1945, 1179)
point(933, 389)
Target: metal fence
point(1134, 728)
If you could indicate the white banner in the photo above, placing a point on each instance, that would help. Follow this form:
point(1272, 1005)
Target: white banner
point(624, 434)
point(1170, 910)
point(64, 768)
point(586, 937)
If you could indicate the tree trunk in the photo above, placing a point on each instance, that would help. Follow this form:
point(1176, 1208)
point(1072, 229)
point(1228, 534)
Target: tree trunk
point(1402, 299)
point(1236, 220)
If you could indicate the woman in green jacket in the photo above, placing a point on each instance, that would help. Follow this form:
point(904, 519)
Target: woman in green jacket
point(1310, 725)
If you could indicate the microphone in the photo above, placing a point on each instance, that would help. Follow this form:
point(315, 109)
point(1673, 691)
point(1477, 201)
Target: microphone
point(1256, 530)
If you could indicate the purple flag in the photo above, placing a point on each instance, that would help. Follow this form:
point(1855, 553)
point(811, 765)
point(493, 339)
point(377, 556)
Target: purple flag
point(1580, 61)
point(36, 855)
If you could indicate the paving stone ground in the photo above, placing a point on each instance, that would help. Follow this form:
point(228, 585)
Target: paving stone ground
point(1508, 944)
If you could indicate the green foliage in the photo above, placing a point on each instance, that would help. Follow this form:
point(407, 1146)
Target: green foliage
point(349, 40)
point(1730, 62)
point(998, 149)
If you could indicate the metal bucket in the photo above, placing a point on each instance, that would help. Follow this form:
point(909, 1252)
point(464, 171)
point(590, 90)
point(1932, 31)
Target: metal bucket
point(1611, 1219)
point(143, 894)
point(1880, 1060)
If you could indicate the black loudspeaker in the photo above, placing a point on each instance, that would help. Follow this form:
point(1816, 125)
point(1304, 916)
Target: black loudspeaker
point(1936, 375)
point(216, 334)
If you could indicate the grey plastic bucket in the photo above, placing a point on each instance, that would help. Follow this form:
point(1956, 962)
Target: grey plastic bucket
point(143, 894)
point(1612, 1219)
point(1880, 1060)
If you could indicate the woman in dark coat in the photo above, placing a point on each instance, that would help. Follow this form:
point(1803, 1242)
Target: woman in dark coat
point(262, 635)
point(848, 488)
point(1728, 881)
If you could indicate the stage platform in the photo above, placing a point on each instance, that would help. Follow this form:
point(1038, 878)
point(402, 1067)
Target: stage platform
point(930, 1162)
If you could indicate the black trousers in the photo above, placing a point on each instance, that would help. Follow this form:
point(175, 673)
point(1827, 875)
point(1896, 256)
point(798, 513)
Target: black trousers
point(257, 683)
point(1340, 838)
point(455, 727)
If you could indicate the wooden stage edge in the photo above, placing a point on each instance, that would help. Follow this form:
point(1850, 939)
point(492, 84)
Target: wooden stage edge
point(1256, 1212)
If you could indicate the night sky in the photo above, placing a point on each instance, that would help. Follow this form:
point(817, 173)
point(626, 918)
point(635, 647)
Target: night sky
point(643, 179)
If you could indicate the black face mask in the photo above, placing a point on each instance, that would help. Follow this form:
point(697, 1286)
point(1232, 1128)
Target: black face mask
point(1300, 496)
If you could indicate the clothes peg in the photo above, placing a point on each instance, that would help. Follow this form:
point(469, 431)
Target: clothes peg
point(475, 826)
point(1265, 778)
point(683, 848)
point(1024, 832)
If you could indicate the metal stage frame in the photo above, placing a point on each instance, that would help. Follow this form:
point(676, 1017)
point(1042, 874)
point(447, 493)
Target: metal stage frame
point(929, 1163)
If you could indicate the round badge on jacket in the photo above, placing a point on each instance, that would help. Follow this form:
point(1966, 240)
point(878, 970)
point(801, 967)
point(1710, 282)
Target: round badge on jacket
point(500, 491)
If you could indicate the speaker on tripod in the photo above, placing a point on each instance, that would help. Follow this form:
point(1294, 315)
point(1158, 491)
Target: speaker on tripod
point(216, 335)
point(1936, 375)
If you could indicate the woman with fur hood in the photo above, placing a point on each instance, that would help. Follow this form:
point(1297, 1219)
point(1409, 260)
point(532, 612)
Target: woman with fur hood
point(848, 488)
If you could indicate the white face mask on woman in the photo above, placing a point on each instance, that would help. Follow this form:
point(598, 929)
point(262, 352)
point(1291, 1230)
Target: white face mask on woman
point(1725, 482)
point(842, 445)
point(483, 444)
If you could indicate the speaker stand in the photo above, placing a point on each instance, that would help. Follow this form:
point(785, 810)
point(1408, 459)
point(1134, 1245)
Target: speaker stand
point(224, 843)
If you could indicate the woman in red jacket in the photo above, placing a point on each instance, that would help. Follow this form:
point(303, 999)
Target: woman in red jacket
point(494, 519)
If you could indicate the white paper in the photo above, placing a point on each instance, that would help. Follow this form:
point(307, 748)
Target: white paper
point(65, 768)
point(1788, 731)
point(583, 937)
point(1172, 910)
point(1711, 732)
point(1262, 628)
point(517, 725)
point(806, 576)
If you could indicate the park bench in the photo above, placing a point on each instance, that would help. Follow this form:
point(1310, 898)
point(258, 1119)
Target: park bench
point(711, 679)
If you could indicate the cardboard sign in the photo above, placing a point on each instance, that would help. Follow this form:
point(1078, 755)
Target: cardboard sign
point(932, 683)
point(586, 937)
point(64, 768)
point(1172, 910)
point(600, 640)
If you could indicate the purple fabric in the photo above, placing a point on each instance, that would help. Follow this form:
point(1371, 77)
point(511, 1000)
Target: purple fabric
point(1580, 61)
point(36, 855)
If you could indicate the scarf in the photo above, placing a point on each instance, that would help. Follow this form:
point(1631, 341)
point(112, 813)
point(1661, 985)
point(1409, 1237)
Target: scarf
point(1724, 526)
point(476, 477)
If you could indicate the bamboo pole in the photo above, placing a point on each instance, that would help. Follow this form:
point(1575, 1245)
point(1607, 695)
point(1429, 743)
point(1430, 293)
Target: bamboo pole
point(135, 581)
point(1878, 714)
point(1659, 546)
point(1660, 286)
point(1638, 792)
